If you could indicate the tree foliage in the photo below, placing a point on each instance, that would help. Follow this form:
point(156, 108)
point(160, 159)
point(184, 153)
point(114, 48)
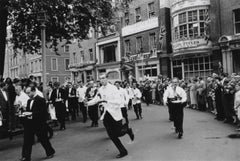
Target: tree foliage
point(66, 19)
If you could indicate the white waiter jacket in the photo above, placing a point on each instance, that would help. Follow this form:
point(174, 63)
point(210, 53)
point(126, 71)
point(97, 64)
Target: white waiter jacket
point(170, 93)
point(81, 92)
point(111, 94)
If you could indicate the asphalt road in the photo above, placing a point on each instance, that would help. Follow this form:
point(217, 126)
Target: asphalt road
point(204, 139)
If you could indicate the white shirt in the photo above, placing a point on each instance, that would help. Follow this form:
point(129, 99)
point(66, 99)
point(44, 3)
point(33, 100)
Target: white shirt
point(111, 94)
point(39, 93)
point(170, 93)
point(22, 99)
point(136, 96)
point(81, 92)
point(4, 95)
point(124, 97)
point(130, 92)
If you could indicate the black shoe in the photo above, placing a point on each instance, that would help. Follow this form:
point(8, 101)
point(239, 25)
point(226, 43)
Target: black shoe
point(180, 135)
point(24, 159)
point(131, 134)
point(50, 156)
point(122, 155)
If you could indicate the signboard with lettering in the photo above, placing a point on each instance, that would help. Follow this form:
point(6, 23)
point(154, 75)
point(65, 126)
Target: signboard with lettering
point(185, 44)
point(144, 56)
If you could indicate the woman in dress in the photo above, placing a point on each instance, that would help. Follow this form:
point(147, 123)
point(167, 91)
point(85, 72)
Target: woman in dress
point(193, 93)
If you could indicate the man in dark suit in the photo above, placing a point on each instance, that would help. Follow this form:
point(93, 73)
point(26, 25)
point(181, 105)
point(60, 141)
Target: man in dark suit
point(58, 98)
point(4, 107)
point(35, 123)
point(72, 100)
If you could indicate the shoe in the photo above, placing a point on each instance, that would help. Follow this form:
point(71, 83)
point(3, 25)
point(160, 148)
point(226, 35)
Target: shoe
point(141, 117)
point(24, 159)
point(131, 134)
point(180, 135)
point(121, 155)
point(50, 156)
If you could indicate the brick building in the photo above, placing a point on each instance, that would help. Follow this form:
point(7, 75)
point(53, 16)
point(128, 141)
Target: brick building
point(226, 24)
point(142, 40)
point(82, 58)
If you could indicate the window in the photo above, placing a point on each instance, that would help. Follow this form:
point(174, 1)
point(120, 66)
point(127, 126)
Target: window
point(40, 64)
point(31, 67)
point(237, 21)
point(91, 54)
point(148, 70)
point(192, 16)
point(67, 64)
point(152, 41)
point(66, 48)
point(74, 58)
point(138, 14)
point(190, 24)
point(182, 18)
point(198, 66)
point(127, 47)
point(54, 79)
point(139, 44)
point(126, 18)
point(151, 11)
point(82, 55)
point(54, 65)
point(109, 53)
point(183, 31)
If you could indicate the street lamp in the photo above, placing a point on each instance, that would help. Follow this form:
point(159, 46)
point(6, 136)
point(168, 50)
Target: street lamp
point(42, 18)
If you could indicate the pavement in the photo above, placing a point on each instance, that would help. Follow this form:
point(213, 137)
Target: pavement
point(204, 139)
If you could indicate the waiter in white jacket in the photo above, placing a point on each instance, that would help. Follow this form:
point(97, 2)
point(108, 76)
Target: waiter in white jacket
point(176, 97)
point(109, 96)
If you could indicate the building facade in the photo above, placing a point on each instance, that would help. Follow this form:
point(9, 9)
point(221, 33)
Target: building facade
point(192, 45)
point(227, 24)
point(140, 37)
point(82, 58)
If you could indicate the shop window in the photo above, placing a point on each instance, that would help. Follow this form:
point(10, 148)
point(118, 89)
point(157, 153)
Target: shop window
point(237, 21)
point(113, 75)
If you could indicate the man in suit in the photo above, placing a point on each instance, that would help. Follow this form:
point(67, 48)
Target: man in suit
point(57, 98)
point(110, 97)
point(72, 100)
point(35, 123)
point(4, 107)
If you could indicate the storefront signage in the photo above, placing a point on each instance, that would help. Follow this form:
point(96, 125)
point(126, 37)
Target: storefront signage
point(180, 4)
point(189, 44)
point(140, 57)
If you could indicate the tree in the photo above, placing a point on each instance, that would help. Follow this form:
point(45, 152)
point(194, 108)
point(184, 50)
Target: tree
point(66, 19)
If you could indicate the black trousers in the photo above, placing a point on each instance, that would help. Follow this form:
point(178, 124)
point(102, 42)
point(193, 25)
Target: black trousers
point(60, 113)
point(170, 111)
point(219, 106)
point(130, 104)
point(114, 130)
point(93, 113)
point(28, 140)
point(177, 115)
point(125, 114)
point(72, 106)
point(138, 110)
point(83, 109)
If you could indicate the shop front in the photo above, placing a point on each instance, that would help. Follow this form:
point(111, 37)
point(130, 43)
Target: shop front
point(191, 58)
point(230, 49)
